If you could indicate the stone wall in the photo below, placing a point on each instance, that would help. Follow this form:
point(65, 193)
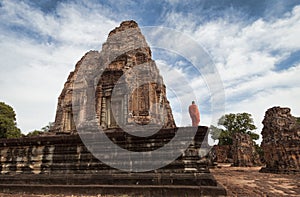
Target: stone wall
point(63, 160)
point(243, 151)
point(281, 141)
point(67, 154)
point(222, 153)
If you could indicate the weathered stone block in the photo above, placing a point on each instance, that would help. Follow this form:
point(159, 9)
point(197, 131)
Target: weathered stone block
point(244, 152)
point(281, 141)
point(222, 153)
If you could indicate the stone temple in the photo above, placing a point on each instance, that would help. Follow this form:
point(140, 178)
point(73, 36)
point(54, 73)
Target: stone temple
point(141, 97)
point(116, 88)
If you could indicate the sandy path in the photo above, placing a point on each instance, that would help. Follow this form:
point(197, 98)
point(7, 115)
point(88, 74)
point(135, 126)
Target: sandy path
point(243, 181)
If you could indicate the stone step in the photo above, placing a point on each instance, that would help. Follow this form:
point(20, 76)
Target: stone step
point(115, 190)
point(112, 178)
point(96, 167)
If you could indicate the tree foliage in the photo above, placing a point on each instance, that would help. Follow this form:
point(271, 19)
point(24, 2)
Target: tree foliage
point(44, 129)
point(233, 123)
point(8, 125)
point(48, 127)
point(34, 133)
point(298, 120)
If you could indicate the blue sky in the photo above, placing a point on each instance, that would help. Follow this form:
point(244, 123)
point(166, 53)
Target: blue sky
point(255, 47)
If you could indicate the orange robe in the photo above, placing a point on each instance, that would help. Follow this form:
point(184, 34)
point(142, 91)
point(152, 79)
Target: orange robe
point(195, 115)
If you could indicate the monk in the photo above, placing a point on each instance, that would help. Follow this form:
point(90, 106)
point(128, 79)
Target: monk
point(194, 113)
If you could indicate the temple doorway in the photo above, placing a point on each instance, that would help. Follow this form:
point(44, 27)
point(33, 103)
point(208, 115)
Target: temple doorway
point(115, 113)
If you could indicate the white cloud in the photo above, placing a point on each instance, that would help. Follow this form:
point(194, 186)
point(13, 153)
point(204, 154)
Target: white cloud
point(32, 77)
point(33, 71)
point(259, 103)
point(242, 49)
point(181, 91)
point(73, 23)
point(246, 54)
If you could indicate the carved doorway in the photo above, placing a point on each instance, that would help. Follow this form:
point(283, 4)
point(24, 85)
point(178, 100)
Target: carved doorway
point(114, 112)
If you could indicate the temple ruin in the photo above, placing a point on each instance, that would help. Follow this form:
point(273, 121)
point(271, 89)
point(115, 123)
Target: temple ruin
point(243, 151)
point(130, 90)
point(281, 141)
point(123, 88)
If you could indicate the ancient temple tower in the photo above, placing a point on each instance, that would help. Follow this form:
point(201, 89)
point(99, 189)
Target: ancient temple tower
point(130, 89)
point(281, 141)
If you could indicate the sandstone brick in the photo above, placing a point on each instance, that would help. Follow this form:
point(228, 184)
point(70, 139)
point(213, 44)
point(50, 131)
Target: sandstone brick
point(281, 141)
point(243, 151)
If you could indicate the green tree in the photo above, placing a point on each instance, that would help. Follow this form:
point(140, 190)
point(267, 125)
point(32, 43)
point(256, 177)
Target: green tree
point(44, 129)
point(48, 127)
point(8, 125)
point(298, 120)
point(233, 123)
point(34, 133)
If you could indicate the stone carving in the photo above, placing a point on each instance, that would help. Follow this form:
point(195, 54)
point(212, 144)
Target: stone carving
point(281, 141)
point(243, 151)
point(129, 91)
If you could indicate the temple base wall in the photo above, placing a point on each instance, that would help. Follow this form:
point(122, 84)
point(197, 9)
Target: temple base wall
point(64, 163)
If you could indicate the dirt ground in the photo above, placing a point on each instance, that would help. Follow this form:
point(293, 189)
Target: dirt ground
point(248, 181)
point(238, 181)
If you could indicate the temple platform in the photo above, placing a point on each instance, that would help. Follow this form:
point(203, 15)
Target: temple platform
point(63, 164)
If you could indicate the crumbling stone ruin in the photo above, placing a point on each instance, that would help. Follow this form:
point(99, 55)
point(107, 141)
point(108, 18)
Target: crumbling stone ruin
point(243, 151)
point(65, 164)
point(281, 141)
point(222, 153)
point(130, 90)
